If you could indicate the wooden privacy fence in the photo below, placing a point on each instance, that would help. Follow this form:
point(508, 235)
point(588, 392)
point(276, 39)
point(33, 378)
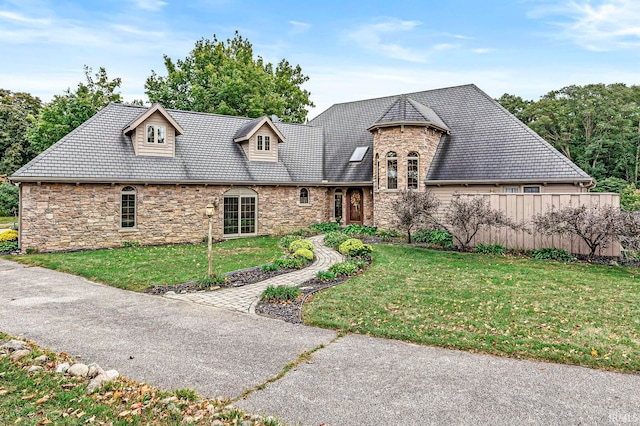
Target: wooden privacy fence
point(522, 207)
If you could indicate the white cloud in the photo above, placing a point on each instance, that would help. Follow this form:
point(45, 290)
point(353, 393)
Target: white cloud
point(375, 36)
point(445, 46)
point(483, 50)
point(19, 18)
point(299, 27)
point(599, 26)
point(149, 4)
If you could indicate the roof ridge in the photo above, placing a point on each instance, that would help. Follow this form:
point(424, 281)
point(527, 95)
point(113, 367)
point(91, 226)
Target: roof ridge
point(547, 145)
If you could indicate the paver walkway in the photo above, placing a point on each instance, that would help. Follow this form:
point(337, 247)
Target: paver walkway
point(245, 298)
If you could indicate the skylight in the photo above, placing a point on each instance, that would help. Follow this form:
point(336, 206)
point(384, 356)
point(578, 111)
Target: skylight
point(358, 154)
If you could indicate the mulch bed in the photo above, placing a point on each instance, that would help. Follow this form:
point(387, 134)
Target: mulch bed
point(291, 311)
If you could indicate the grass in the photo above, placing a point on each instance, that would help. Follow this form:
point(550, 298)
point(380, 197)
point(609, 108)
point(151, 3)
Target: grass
point(46, 397)
point(7, 221)
point(569, 313)
point(137, 268)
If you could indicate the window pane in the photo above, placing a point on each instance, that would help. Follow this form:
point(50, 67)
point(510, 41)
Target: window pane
point(230, 225)
point(248, 215)
point(337, 211)
point(392, 174)
point(511, 190)
point(259, 143)
point(128, 214)
point(304, 196)
point(412, 173)
point(531, 189)
point(161, 134)
point(267, 143)
point(151, 134)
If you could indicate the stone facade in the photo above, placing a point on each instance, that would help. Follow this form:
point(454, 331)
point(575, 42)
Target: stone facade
point(402, 140)
point(61, 217)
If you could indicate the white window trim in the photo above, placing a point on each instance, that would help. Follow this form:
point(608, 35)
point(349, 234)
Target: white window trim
point(239, 193)
point(133, 228)
point(308, 203)
point(263, 143)
point(156, 130)
point(517, 190)
point(417, 160)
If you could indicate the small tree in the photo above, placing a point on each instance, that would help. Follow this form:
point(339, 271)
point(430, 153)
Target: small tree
point(414, 210)
point(466, 216)
point(597, 226)
point(629, 232)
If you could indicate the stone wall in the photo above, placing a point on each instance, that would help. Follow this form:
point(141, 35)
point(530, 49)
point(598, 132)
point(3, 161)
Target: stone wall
point(58, 217)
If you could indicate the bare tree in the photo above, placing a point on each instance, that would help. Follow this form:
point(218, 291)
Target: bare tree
point(466, 216)
point(597, 226)
point(414, 210)
point(629, 232)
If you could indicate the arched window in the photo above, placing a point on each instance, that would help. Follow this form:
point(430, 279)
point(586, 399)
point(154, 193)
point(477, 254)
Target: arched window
point(128, 207)
point(377, 171)
point(240, 212)
point(337, 206)
point(304, 196)
point(412, 170)
point(392, 170)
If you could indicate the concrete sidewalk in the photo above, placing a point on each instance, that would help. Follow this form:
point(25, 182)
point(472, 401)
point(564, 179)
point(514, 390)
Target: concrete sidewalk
point(354, 380)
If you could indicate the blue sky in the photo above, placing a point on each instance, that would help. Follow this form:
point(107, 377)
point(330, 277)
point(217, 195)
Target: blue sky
point(350, 49)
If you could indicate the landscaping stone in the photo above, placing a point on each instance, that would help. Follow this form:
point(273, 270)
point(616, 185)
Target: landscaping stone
point(112, 374)
point(217, 423)
point(97, 382)
point(78, 370)
point(94, 370)
point(42, 359)
point(14, 345)
point(62, 368)
point(34, 368)
point(19, 354)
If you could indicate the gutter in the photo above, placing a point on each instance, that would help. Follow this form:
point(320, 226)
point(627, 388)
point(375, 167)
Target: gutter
point(585, 182)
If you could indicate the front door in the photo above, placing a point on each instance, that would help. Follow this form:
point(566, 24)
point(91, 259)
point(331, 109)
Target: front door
point(354, 206)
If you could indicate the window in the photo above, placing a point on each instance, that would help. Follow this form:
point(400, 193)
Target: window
point(304, 196)
point(392, 170)
point(128, 207)
point(377, 171)
point(263, 143)
point(412, 171)
point(511, 190)
point(358, 154)
point(239, 215)
point(337, 205)
point(156, 134)
point(531, 189)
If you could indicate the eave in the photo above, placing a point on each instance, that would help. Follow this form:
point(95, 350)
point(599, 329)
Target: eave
point(407, 123)
point(586, 182)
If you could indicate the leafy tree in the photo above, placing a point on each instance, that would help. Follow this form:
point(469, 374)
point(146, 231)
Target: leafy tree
point(225, 78)
point(597, 226)
point(17, 113)
point(68, 111)
point(415, 209)
point(8, 199)
point(630, 198)
point(610, 184)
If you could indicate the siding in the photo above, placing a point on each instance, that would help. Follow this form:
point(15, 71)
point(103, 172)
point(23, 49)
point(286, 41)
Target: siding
point(139, 139)
point(254, 155)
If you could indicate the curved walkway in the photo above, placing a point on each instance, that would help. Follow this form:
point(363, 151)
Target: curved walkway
point(244, 299)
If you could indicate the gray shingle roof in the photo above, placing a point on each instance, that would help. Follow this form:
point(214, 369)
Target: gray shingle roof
point(406, 110)
point(485, 143)
point(98, 150)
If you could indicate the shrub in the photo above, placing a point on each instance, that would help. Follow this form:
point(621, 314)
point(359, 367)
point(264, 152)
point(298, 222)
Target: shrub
point(552, 253)
point(414, 209)
point(280, 293)
point(334, 239)
point(131, 244)
point(325, 227)
point(303, 253)
point(355, 247)
point(438, 237)
point(212, 281)
point(355, 229)
point(6, 246)
point(387, 234)
point(301, 244)
point(325, 276)
point(346, 268)
point(286, 241)
point(496, 249)
point(8, 199)
point(270, 267)
point(288, 263)
point(9, 235)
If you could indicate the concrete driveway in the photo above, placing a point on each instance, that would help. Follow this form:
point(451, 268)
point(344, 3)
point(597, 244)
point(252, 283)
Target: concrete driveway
point(354, 380)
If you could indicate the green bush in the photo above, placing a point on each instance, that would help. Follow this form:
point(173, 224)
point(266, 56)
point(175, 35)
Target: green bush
point(301, 244)
point(286, 241)
point(131, 244)
point(270, 267)
point(289, 263)
point(212, 281)
point(303, 253)
point(8, 199)
point(387, 234)
point(6, 246)
point(346, 268)
point(355, 229)
point(552, 253)
point(334, 239)
point(496, 249)
point(325, 227)
point(437, 237)
point(280, 293)
point(355, 247)
point(325, 276)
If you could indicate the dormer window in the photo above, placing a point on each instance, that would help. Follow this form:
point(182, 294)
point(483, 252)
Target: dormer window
point(263, 143)
point(156, 133)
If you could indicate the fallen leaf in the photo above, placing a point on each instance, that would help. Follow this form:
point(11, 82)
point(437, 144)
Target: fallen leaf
point(33, 395)
point(43, 399)
point(124, 413)
point(45, 421)
point(594, 352)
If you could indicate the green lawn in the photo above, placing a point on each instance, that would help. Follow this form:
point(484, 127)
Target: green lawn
point(570, 313)
point(137, 268)
point(7, 221)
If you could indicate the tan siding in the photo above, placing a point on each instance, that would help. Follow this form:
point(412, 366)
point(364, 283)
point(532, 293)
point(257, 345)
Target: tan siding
point(272, 154)
point(139, 138)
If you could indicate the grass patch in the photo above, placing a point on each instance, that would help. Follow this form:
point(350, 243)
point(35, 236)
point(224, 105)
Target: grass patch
point(137, 268)
point(524, 308)
point(7, 221)
point(46, 397)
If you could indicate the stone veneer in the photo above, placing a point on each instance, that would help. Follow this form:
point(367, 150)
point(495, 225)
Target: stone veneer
point(59, 216)
point(402, 140)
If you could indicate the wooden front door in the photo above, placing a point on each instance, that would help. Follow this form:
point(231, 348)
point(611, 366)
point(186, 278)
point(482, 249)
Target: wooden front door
point(354, 206)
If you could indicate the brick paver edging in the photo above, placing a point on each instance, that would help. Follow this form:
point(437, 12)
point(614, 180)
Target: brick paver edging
point(245, 298)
